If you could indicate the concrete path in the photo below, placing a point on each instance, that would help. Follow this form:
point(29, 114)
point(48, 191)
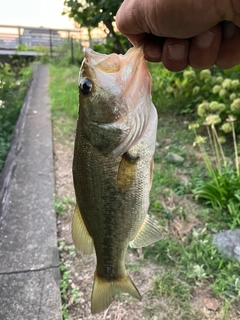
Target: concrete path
point(29, 262)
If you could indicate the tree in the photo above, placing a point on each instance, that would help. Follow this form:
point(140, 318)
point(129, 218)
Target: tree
point(89, 13)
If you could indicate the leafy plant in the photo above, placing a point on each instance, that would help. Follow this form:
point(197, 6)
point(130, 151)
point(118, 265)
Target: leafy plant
point(91, 13)
point(23, 47)
point(109, 44)
point(221, 187)
point(13, 87)
point(59, 206)
point(65, 276)
point(195, 92)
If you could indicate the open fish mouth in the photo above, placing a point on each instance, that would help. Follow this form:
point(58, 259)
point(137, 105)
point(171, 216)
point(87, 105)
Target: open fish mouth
point(113, 63)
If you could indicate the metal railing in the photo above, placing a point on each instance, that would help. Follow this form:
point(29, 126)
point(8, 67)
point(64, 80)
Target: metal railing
point(11, 37)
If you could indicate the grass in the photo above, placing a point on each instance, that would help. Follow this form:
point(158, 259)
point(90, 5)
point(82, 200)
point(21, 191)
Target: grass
point(191, 263)
point(63, 91)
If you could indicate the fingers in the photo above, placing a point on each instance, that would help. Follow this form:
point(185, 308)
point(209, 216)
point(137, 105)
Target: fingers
point(199, 52)
point(175, 54)
point(217, 46)
point(229, 51)
point(153, 47)
point(204, 48)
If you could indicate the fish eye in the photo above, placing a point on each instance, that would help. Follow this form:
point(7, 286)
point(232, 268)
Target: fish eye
point(85, 86)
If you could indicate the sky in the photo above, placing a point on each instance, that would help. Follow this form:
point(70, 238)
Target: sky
point(34, 13)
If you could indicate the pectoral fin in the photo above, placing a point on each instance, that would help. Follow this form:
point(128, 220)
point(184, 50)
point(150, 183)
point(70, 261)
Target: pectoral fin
point(148, 234)
point(81, 238)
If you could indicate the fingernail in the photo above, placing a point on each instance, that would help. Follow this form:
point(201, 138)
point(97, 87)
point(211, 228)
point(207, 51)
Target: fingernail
point(153, 53)
point(228, 29)
point(176, 52)
point(205, 39)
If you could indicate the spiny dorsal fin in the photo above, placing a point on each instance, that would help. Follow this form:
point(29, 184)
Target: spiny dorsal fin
point(81, 238)
point(148, 234)
point(104, 291)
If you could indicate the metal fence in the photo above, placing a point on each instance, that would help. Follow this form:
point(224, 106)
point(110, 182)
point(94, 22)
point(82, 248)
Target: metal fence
point(13, 36)
point(32, 42)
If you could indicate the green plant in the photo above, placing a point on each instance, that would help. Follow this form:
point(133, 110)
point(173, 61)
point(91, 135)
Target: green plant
point(84, 14)
point(109, 44)
point(70, 52)
point(75, 294)
point(64, 281)
point(14, 82)
point(207, 91)
point(170, 284)
point(64, 312)
point(194, 259)
point(221, 187)
point(65, 276)
point(59, 206)
point(23, 47)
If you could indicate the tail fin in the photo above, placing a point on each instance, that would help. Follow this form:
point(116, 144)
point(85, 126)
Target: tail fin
point(104, 291)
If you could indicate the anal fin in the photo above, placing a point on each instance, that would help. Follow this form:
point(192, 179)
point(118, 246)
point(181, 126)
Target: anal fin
point(148, 234)
point(81, 238)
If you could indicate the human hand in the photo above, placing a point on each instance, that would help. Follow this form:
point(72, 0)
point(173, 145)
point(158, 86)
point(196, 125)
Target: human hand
point(180, 33)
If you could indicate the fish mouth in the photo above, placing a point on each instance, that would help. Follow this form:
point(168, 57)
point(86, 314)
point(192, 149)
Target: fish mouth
point(117, 72)
point(113, 63)
point(106, 63)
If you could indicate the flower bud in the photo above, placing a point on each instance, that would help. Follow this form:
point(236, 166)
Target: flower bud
point(227, 83)
point(232, 96)
point(205, 74)
point(213, 106)
point(195, 90)
point(222, 93)
point(216, 88)
point(219, 80)
point(213, 119)
point(226, 127)
point(235, 84)
point(235, 106)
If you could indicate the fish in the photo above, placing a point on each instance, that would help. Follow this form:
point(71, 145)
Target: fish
point(113, 168)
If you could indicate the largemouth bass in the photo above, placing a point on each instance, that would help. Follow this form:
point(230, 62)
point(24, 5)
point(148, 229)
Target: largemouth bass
point(113, 167)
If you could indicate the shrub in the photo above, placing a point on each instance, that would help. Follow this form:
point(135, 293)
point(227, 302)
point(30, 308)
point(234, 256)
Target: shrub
point(197, 93)
point(13, 86)
point(109, 44)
